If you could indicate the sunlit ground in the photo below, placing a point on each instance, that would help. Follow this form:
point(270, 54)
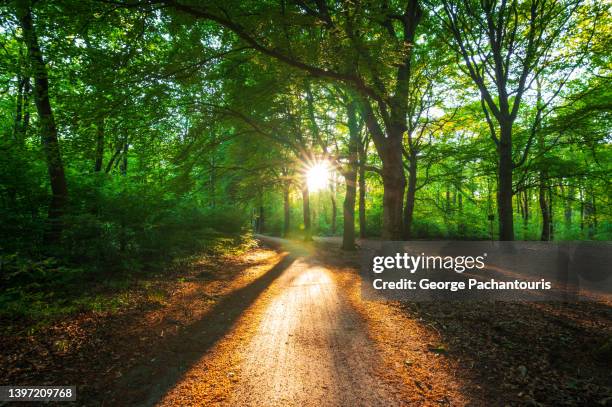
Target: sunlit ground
point(302, 343)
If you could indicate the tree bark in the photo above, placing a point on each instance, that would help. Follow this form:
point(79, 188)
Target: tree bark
point(287, 211)
point(213, 180)
point(348, 235)
point(590, 214)
point(504, 192)
point(99, 146)
point(394, 183)
point(48, 129)
point(306, 212)
point(551, 213)
point(390, 150)
point(568, 207)
point(363, 233)
point(582, 210)
point(21, 114)
point(525, 213)
point(545, 209)
point(334, 213)
point(410, 195)
point(350, 177)
point(124, 160)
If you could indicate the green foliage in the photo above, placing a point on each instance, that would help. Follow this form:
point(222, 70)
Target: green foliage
point(176, 136)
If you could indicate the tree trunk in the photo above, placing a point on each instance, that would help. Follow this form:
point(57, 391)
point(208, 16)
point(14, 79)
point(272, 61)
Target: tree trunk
point(390, 150)
point(334, 206)
point(568, 207)
point(410, 195)
point(582, 210)
point(544, 208)
point(394, 183)
point(545, 204)
point(363, 233)
point(348, 234)
point(525, 213)
point(306, 212)
point(287, 211)
point(504, 188)
point(594, 213)
point(551, 213)
point(334, 215)
point(213, 181)
point(123, 168)
point(590, 214)
point(48, 129)
point(350, 178)
point(19, 129)
point(124, 160)
point(26, 111)
point(99, 146)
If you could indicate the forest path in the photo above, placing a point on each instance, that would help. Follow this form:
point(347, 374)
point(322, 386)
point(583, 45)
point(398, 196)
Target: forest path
point(310, 348)
point(301, 343)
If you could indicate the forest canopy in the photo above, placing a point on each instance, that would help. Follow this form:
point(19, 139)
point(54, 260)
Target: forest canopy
point(143, 129)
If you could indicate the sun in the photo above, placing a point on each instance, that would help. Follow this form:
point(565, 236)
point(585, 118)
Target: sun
point(317, 176)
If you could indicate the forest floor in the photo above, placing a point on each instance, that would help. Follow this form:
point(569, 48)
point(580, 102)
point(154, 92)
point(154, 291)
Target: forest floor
point(285, 325)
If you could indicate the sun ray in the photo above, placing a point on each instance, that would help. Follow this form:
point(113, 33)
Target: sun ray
point(317, 176)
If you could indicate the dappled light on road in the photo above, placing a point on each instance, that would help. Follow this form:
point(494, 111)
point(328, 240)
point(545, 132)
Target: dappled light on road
point(297, 345)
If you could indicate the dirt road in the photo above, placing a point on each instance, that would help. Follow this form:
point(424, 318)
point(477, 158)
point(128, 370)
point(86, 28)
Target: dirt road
point(310, 348)
point(296, 332)
point(300, 343)
point(288, 326)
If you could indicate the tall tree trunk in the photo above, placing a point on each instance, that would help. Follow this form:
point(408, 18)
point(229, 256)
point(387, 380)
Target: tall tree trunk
point(590, 214)
point(124, 159)
point(213, 181)
point(363, 233)
point(545, 205)
point(19, 110)
point(48, 129)
point(551, 213)
point(410, 195)
point(394, 184)
point(350, 177)
point(504, 187)
point(123, 168)
point(110, 165)
point(286, 210)
point(544, 208)
point(22, 115)
point(582, 210)
point(26, 111)
point(99, 146)
point(348, 235)
point(594, 213)
point(306, 212)
point(568, 207)
point(525, 212)
point(334, 214)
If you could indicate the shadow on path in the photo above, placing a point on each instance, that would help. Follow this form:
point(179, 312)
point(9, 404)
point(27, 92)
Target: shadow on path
point(146, 383)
